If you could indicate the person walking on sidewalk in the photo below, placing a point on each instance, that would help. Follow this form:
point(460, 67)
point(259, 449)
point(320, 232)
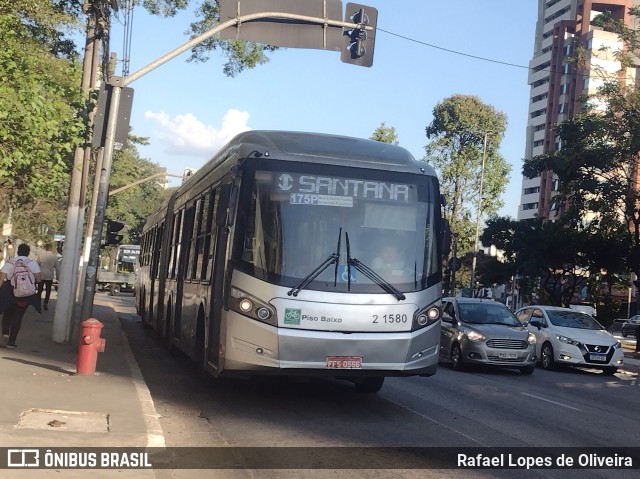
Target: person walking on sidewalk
point(21, 275)
point(47, 260)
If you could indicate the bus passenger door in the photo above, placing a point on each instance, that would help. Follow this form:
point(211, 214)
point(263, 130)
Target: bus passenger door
point(185, 241)
point(217, 255)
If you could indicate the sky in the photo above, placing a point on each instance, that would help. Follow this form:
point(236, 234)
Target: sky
point(425, 52)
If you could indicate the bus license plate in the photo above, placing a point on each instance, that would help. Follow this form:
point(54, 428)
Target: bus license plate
point(598, 357)
point(344, 362)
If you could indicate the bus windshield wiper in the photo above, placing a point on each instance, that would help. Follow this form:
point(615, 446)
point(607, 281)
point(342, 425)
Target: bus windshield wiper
point(333, 258)
point(376, 278)
point(369, 273)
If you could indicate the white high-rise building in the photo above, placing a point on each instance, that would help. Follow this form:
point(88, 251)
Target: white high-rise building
point(557, 82)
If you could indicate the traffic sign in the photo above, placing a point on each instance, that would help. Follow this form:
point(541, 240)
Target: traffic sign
point(282, 32)
point(454, 264)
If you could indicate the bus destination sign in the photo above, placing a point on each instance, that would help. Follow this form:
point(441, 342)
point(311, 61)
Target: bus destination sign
point(332, 191)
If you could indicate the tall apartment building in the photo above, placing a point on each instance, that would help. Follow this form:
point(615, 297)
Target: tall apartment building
point(557, 83)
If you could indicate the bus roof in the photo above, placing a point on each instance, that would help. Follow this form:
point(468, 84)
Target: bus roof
point(344, 150)
point(303, 147)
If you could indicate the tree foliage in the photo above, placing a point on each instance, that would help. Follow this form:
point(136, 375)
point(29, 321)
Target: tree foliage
point(385, 134)
point(240, 55)
point(598, 166)
point(549, 253)
point(39, 104)
point(457, 135)
point(134, 205)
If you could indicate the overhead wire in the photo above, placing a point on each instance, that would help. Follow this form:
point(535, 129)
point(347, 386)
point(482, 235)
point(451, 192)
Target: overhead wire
point(127, 22)
point(128, 30)
point(450, 50)
point(485, 59)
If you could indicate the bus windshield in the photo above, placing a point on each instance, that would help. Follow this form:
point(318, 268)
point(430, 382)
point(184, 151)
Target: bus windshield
point(292, 217)
point(127, 258)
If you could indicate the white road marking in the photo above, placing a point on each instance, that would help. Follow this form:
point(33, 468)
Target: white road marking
point(553, 402)
point(436, 422)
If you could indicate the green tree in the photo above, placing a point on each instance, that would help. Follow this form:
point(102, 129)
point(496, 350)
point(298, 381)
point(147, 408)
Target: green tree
point(549, 254)
point(134, 205)
point(240, 55)
point(460, 126)
point(598, 164)
point(39, 104)
point(385, 134)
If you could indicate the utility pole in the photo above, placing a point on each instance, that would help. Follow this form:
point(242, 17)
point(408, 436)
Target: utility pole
point(65, 303)
point(456, 264)
point(478, 214)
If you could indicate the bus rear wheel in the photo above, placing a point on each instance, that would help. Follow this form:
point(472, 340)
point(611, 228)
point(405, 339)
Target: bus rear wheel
point(369, 385)
point(114, 290)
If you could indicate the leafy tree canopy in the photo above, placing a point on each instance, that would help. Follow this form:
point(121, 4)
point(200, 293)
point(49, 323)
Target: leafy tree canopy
point(39, 104)
point(385, 134)
point(240, 55)
point(456, 151)
point(134, 205)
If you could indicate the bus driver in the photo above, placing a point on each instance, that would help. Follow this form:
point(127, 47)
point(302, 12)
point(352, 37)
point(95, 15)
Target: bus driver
point(389, 263)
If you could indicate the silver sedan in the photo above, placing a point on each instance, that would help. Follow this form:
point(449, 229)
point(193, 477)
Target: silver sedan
point(483, 331)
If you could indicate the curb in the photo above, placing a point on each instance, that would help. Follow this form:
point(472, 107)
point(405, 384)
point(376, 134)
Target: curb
point(155, 435)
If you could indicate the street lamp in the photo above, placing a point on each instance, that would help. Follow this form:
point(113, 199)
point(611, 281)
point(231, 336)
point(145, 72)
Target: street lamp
point(478, 211)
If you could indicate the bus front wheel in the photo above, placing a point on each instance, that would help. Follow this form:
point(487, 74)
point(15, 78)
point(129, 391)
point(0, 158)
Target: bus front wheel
point(369, 385)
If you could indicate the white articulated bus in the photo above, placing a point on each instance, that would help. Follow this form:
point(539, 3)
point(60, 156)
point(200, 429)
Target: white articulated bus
point(303, 254)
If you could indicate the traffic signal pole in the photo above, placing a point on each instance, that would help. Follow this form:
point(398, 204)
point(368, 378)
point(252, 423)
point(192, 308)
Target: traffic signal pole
point(61, 328)
point(117, 84)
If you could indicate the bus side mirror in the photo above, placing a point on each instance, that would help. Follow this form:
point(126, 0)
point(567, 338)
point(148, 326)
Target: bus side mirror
point(445, 240)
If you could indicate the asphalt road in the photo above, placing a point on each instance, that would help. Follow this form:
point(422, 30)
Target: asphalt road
point(479, 408)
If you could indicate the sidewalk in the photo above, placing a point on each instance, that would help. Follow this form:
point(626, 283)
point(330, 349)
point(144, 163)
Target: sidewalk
point(45, 404)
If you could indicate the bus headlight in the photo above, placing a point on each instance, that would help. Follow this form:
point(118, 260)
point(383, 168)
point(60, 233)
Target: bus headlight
point(426, 316)
point(252, 307)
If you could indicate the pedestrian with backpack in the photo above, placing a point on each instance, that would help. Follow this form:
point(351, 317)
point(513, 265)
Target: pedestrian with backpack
point(22, 276)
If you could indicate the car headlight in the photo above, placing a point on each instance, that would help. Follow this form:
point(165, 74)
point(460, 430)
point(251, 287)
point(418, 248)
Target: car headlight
point(566, 340)
point(248, 305)
point(476, 336)
point(531, 338)
point(618, 345)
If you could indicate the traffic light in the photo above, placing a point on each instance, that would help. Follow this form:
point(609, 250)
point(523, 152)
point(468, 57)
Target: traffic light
point(112, 236)
point(446, 282)
point(359, 42)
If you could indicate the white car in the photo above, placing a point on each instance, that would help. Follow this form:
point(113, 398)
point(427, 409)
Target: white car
point(565, 336)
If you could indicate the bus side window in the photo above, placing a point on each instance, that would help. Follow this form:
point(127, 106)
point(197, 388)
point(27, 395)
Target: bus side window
point(195, 244)
point(210, 240)
point(206, 231)
point(175, 245)
point(184, 265)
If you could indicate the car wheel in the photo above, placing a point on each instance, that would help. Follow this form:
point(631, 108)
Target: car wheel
point(456, 357)
point(610, 371)
point(548, 361)
point(369, 385)
point(527, 370)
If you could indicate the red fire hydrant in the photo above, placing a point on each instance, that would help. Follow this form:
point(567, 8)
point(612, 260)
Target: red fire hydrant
point(90, 345)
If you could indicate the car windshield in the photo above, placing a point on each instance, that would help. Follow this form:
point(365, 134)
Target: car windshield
point(487, 313)
point(573, 319)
